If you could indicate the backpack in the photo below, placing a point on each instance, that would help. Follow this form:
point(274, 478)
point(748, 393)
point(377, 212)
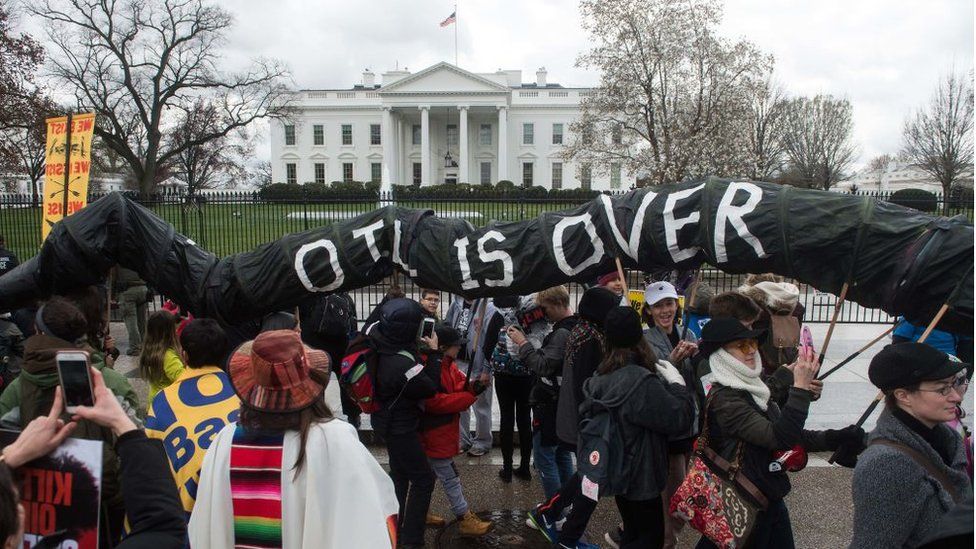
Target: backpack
point(332, 315)
point(357, 373)
point(603, 458)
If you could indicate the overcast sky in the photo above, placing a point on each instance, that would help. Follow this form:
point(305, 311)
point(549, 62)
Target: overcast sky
point(884, 55)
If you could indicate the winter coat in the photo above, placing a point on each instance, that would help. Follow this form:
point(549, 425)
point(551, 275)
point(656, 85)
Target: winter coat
point(469, 355)
point(439, 426)
point(399, 388)
point(658, 340)
point(547, 363)
point(779, 383)
point(11, 351)
point(647, 416)
point(155, 517)
point(897, 502)
point(127, 278)
point(734, 417)
point(584, 351)
point(172, 370)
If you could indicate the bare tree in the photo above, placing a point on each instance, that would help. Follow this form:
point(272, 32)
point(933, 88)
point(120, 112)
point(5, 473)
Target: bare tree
point(817, 140)
point(939, 138)
point(20, 57)
point(880, 163)
point(260, 173)
point(23, 143)
point(134, 61)
point(767, 125)
point(673, 97)
point(208, 164)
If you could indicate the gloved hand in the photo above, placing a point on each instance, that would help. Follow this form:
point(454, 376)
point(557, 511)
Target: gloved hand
point(852, 436)
point(669, 373)
point(480, 384)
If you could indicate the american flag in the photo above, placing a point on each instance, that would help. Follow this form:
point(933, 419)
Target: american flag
point(450, 19)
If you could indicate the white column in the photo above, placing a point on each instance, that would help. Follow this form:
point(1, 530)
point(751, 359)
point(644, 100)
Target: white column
point(425, 145)
point(389, 151)
point(463, 175)
point(502, 143)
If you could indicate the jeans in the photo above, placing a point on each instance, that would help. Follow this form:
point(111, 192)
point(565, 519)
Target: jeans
point(134, 304)
point(513, 404)
point(447, 473)
point(482, 415)
point(643, 523)
point(413, 481)
point(773, 530)
point(554, 464)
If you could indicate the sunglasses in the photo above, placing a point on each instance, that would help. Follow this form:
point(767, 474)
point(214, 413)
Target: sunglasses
point(958, 384)
point(745, 345)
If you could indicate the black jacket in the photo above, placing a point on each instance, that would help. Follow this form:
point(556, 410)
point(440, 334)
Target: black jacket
point(152, 504)
point(547, 364)
point(399, 396)
point(584, 352)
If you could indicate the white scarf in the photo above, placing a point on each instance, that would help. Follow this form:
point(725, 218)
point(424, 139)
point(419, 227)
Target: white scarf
point(731, 372)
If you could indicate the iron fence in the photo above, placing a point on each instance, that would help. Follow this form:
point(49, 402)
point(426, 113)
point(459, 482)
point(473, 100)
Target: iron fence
point(229, 222)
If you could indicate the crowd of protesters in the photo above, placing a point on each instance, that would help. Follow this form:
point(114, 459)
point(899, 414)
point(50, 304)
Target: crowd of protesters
point(234, 445)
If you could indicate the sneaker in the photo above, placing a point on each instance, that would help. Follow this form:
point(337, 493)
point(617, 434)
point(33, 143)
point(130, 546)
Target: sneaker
point(469, 525)
point(477, 451)
point(538, 520)
point(522, 473)
point(464, 449)
point(505, 474)
point(614, 538)
point(579, 545)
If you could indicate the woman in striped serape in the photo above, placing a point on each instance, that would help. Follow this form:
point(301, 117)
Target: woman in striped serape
point(287, 474)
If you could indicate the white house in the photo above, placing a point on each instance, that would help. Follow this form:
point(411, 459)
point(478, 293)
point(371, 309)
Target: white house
point(442, 124)
point(895, 176)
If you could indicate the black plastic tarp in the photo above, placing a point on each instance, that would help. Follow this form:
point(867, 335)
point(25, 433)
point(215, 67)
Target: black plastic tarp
point(895, 258)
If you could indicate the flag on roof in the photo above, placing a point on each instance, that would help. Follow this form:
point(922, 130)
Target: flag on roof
point(450, 19)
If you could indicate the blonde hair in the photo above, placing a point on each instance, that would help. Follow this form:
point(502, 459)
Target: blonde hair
point(557, 296)
point(160, 337)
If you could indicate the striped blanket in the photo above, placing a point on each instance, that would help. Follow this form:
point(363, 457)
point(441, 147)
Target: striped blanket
point(255, 485)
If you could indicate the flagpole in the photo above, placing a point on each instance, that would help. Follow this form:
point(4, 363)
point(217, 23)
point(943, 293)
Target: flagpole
point(455, 35)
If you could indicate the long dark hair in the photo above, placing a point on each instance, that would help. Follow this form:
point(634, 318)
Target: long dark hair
point(617, 357)
point(160, 337)
point(299, 420)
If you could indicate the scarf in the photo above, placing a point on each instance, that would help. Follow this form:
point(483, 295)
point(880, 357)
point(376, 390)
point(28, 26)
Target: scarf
point(255, 487)
point(731, 372)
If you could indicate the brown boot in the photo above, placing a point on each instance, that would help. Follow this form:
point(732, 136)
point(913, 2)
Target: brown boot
point(470, 525)
point(434, 521)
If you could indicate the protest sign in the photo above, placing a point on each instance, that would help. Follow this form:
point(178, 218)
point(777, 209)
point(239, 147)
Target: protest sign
point(67, 167)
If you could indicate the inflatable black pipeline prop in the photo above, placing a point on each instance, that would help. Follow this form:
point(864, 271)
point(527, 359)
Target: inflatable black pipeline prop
point(898, 259)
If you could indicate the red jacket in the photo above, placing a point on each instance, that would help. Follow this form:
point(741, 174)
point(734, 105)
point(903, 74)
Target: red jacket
point(439, 427)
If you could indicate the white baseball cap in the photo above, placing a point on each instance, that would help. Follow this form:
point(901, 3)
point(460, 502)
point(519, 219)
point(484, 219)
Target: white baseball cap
point(656, 291)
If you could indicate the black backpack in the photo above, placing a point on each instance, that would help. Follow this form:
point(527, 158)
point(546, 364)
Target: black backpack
point(331, 315)
point(603, 458)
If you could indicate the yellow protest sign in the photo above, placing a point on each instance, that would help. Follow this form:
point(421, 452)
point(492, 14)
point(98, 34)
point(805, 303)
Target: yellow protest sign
point(66, 172)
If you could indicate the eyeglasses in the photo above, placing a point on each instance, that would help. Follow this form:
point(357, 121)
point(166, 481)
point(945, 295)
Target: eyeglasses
point(433, 299)
point(959, 384)
point(745, 345)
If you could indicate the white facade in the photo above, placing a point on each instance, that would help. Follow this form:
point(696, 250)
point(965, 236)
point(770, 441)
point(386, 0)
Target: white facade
point(895, 177)
point(439, 125)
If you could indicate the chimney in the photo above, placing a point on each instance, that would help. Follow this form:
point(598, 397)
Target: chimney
point(369, 79)
point(540, 77)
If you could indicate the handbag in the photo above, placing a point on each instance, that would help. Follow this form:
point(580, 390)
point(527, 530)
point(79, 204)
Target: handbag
point(715, 498)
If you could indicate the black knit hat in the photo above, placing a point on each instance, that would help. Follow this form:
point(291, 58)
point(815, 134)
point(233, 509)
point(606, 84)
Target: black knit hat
point(904, 364)
point(623, 327)
point(596, 303)
point(448, 336)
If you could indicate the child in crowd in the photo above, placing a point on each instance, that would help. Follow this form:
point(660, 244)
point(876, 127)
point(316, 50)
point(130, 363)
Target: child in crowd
point(439, 431)
point(160, 362)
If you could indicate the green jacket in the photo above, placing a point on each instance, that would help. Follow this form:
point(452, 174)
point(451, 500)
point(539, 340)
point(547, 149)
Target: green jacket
point(116, 382)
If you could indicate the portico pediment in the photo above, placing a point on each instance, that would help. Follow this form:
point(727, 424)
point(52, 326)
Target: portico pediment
point(443, 78)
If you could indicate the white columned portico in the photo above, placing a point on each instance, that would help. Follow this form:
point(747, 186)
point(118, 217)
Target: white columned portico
point(463, 176)
point(502, 143)
point(425, 145)
point(389, 152)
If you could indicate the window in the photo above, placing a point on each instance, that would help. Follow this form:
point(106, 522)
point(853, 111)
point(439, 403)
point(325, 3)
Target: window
point(346, 172)
point(557, 175)
point(586, 177)
point(557, 134)
point(289, 134)
point(616, 135)
point(486, 173)
point(527, 174)
point(484, 135)
point(319, 173)
point(318, 134)
point(417, 172)
point(347, 134)
point(375, 135)
point(416, 134)
point(528, 134)
point(452, 136)
point(291, 173)
point(614, 176)
point(375, 172)
point(587, 135)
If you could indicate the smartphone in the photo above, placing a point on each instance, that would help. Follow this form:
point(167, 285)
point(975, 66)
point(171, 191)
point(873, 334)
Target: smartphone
point(427, 328)
point(806, 342)
point(76, 385)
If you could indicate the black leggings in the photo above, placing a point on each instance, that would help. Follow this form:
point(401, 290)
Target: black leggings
point(513, 404)
point(413, 481)
point(643, 522)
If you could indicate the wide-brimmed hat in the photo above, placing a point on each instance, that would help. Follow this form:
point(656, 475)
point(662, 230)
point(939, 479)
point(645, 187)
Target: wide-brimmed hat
point(719, 331)
point(271, 373)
